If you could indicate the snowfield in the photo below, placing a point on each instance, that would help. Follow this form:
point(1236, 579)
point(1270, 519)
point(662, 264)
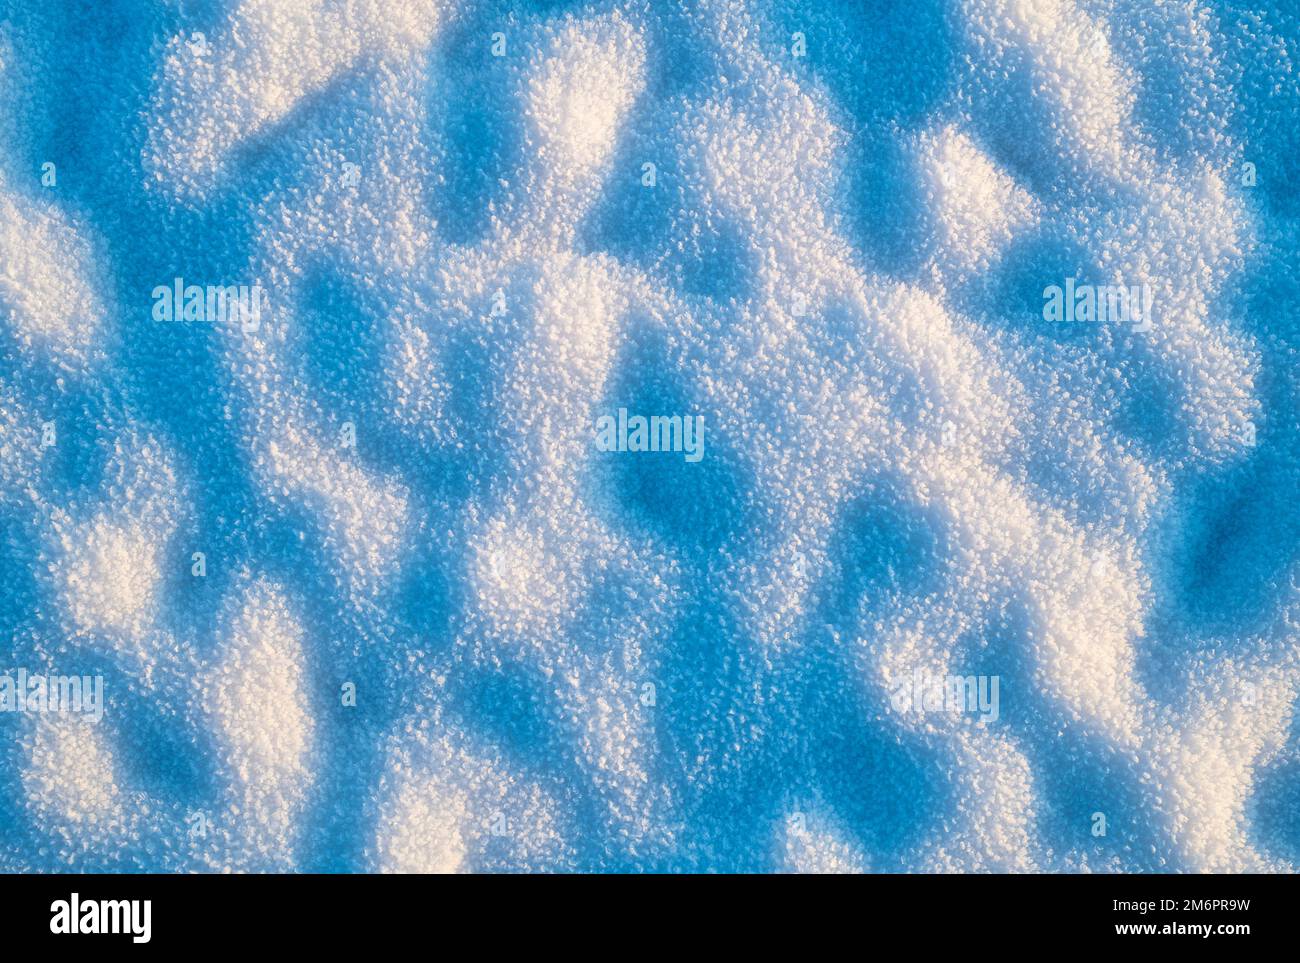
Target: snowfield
point(736, 435)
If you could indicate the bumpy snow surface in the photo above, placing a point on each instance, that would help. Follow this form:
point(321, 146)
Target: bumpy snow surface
point(366, 587)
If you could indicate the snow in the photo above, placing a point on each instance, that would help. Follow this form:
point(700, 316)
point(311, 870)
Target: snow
point(565, 658)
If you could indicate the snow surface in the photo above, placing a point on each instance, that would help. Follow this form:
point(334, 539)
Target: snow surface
point(570, 659)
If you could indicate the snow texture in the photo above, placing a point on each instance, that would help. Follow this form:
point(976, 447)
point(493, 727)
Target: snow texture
point(365, 593)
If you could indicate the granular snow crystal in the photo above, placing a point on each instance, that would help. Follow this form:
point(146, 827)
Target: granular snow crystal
point(736, 435)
